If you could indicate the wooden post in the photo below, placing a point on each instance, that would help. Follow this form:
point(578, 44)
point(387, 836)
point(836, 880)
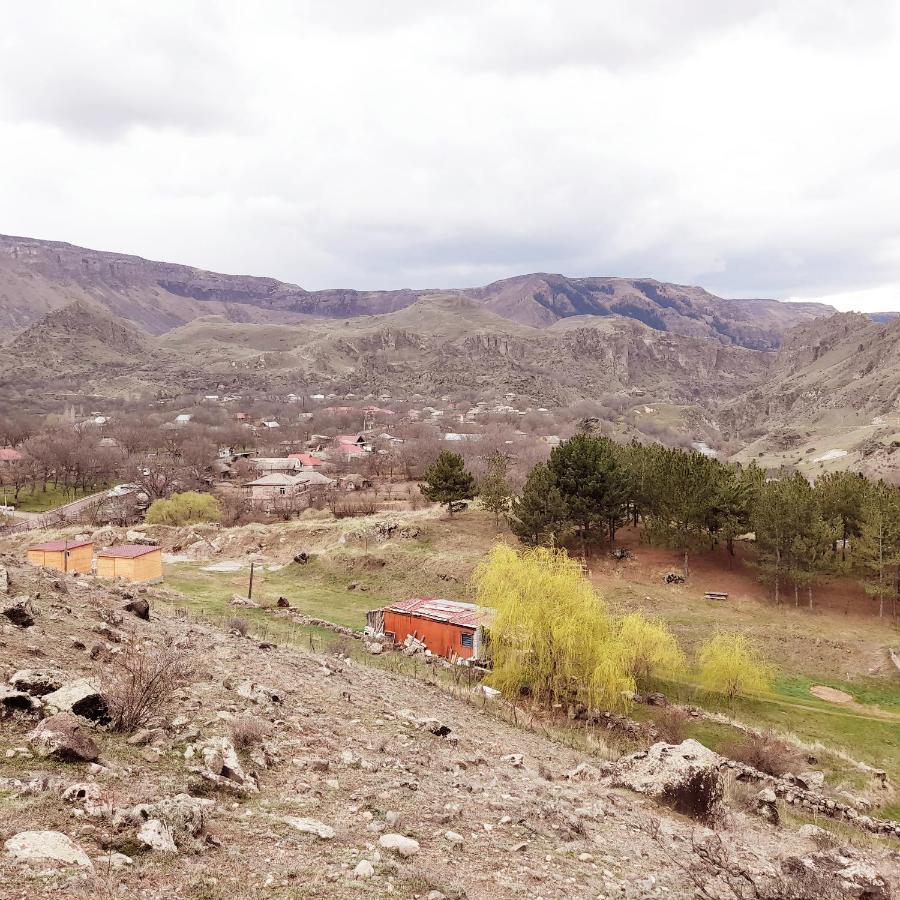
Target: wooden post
point(250, 588)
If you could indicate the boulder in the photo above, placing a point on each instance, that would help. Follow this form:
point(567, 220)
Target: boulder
point(181, 814)
point(765, 803)
point(19, 611)
point(399, 844)
point(222, 767)
point(139, 607)
point(157, 836)
point(310, 826)
point(4, 580)
point(258, 693)
point(63, 737)
point(12, 701)
point(46, 846)
point(685, 776)
point(37, 682)
point(364, 870)
point(811, 780)
point(239, 600)
point(81, 697)
point(852, 877)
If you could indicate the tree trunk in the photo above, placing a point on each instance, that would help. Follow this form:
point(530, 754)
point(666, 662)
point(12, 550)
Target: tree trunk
point(809, 591)
point(730, 544)
point(685, 565)
point(796, 594)
point(777, 596)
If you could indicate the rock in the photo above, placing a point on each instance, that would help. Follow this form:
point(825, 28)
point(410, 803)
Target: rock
point(684, 776)
point(62, 736)
point(656, 698)
point(516, 760)
point(765, 803)
point(400, 844)
point(4, 580)
point(250, 690)
point(12, 701)
point(181, 814)
point(310, 826)
point(80, 791)
point(364, 870)
point(139, 608)
point(811, 779)
point(853, 878)
point(37, 682)
point(157, 836)
point(283, 603)
point(46, 846)
point(114, 860)
point(374, 648)
point(146, 736)
point(454, 837)
point(221, 766)
point(19, 611)
point(239, 600)
point(81, 697)
point(812, 832)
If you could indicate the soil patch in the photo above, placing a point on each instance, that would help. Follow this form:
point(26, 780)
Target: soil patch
point(833, 695)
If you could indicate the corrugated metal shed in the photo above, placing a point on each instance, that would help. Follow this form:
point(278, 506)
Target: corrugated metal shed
point(453, 612)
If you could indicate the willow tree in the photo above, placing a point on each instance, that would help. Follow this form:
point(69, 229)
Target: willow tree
point(730, 664)
point(552, 637)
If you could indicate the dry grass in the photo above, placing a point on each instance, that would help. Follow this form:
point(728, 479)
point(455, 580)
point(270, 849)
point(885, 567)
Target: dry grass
point(248, 732)
point(767, 752)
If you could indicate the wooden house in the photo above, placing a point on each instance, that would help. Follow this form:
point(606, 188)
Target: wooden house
point(64, 556)
point(133, 562)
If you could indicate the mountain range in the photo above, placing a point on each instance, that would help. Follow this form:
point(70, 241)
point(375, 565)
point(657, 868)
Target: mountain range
point(765, 375)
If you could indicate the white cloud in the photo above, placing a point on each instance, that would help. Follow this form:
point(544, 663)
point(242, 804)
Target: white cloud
point(748, 147)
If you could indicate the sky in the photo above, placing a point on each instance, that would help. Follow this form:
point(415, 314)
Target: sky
point(751, 147)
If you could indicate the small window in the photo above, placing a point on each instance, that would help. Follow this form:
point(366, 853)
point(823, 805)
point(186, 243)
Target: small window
point(466, 639)
point(281, 491)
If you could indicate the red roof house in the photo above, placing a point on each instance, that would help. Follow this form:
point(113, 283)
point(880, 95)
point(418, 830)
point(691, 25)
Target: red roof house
point(307, 459)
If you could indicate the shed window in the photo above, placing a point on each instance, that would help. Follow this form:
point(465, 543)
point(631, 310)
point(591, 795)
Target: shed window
point(465, 639)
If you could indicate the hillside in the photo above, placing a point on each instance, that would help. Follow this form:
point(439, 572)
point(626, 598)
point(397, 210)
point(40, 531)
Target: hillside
point(38, 276)
point(436, 345)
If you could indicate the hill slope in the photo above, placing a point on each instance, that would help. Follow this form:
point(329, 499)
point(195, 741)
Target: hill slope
point(38, 276)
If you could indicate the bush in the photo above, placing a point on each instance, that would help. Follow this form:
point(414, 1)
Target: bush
point(248, 732)
point(345, 509)
point(670, 724)
point(142, 683)
point(241, 626)
point(767, 752)
point(189, 508)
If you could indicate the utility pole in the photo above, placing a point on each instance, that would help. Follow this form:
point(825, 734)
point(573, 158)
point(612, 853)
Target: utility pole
point(250, 588)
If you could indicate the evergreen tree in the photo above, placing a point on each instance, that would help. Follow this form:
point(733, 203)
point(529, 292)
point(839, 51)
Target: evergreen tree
point(447, 481)
point(539, 515)
point(843, 496)
point(588, 474)
point(879, 542)
point(494, 491)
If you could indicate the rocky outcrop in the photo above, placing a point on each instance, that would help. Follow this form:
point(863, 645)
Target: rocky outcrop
point(19, 611)
point(64, 737)
point(81, 697)
point(46, 847)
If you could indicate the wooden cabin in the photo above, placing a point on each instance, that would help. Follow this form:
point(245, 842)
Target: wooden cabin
point(133, 562)
point(64, 556)
point(447, 628)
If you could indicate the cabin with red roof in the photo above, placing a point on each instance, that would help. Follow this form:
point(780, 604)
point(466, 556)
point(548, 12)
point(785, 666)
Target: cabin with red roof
point(447, 628)
point(307, 460)
point(133, 562)
point(65, 556)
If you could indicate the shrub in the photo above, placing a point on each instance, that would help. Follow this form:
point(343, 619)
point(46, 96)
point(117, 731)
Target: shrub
point(189, 508)
point(767, 752)
point(670, 724)
point(241, 626)
point(731, 665)
point(345, 509)
point(142, 683)
point(248, 732)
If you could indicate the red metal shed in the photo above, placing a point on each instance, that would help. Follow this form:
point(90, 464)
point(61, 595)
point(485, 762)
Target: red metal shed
point(446, 627)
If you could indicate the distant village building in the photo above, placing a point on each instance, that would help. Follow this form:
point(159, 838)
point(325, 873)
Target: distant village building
point(183, 419)
point(285, 465)
point(133, 562)
point(64, 556)
point(307, 460)
point(447, 628)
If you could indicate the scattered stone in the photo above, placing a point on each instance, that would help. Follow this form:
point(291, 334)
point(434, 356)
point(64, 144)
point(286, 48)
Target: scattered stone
point(364, 870)
point(19, 611)
point(765, 803)
point(516, 760)
point(46, 846)
point(157, 836)
point(146, 736)
point(310, 826)
point(400, 844)
point(222, 767)
point(37, 682)
point(80, 791)
point(854, 878)
point(811, 779)
point(139, 607)
point(12, 701)
point(239, 600)
point(250, 690)
point(454, 837)
point(115, 860)
point(81, 697)
point(62, 736)
point(4, 580)
point(181, 814)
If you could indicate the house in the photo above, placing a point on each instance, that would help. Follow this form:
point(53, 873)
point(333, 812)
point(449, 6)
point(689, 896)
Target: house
point(307, 460)
point(271, 423)
point(284, 465)
point(352, 444)
point(8, 455)
point(447, 628)
point(64, 556)
point(270, 491)
point(456, 436)
point(133, 562)
point(183, 419)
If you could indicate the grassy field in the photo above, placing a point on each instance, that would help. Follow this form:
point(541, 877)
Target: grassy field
point(37, 500)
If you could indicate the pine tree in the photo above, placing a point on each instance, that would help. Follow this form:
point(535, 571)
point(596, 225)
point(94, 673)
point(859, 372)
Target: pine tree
point(539, 515)
point(879, 542)
point(494, 491)
point(843, 496)
point(447, 481)
point(588, 474)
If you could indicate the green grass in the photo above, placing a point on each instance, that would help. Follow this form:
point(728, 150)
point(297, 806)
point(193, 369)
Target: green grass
point(42, 501)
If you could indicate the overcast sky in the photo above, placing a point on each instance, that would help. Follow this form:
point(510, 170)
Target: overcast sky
point(750, 147)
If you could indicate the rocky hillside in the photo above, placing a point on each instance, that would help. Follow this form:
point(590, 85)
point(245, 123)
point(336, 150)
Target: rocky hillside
point(275, 771)
point(37, 277)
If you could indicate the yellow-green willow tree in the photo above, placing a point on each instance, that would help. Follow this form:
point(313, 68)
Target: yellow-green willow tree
point(730, 664)
point(552, 637)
